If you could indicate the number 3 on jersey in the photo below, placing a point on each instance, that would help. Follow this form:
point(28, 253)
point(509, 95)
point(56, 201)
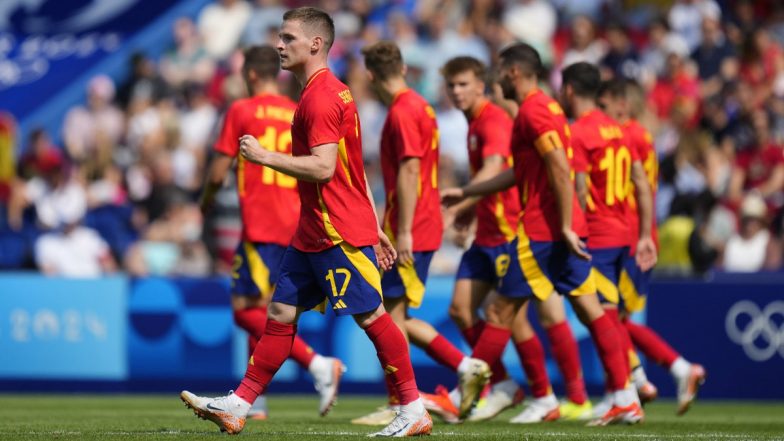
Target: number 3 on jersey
point(618, 165)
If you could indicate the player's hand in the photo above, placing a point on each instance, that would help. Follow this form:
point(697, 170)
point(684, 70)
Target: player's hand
point(385, 252)
point(252, 150)
point(405, 248)
point(575, 244)
point(452, 196)
point(646, 253)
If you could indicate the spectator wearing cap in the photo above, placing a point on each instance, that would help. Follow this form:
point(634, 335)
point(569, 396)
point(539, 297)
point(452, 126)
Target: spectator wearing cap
point(676, 94)
point(748, 248)
point(92, 132)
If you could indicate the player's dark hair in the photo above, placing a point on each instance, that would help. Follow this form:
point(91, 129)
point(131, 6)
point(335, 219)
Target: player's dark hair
point(615, 88)
point(383, 59)
point(459, 65)
point(525, 56)
point(584, 79)
point(264, 60)
point(315, 22)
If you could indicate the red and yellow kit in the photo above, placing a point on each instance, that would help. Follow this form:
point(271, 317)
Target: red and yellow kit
point(338, 210)
point(540, 127)
point(269, 202)
point(489, 133)
point(641, 141)
point(601, 150)
point(410, 131)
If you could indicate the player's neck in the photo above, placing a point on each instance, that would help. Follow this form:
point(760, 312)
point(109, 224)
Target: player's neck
point(266, 88)
point(524, 87)
point(306, 72)
point(474, 111)
point(390, 88)
point(582, 106)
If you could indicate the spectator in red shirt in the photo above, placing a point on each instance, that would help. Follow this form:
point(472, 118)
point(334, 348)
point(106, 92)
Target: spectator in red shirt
point(760, 168)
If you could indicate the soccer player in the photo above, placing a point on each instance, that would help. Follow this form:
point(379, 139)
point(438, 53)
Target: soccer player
point(269, 205)
point(333, 255)
point(624, 100)
point(412, 216)
point(605, 164)
point(486, 261)
point(548, 254)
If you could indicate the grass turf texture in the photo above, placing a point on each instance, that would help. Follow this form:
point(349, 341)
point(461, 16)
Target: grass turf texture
point(157, 417)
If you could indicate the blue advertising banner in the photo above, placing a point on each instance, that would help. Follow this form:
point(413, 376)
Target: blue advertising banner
point(733, 325)
point(49, 49)
point(63, 328)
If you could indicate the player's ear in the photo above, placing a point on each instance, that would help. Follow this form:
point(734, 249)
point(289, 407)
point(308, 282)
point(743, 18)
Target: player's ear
point(404, 70)
point(315, 44)
point(370, 75)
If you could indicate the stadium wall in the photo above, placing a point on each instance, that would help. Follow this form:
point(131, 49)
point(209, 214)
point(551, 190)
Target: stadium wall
point(161, 335)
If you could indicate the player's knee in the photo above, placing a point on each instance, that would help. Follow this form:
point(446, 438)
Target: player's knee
point(282, 313)
point(461, 315)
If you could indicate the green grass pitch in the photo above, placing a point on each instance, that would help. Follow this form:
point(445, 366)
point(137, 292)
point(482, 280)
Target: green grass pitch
point(159, 417)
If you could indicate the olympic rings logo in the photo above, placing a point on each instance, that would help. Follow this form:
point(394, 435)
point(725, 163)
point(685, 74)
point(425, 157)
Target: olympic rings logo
point(760, 332)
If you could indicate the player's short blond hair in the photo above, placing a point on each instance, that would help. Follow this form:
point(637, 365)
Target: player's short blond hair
point(315, 23)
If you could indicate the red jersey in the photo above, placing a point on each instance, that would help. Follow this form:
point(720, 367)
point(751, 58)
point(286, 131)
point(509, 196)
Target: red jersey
point(758, 164)
point(641, 142)
point(540, 127)
point(338, 210)
point(410, 131)
point(601, 151)
point(490, 133)
point(269, 202)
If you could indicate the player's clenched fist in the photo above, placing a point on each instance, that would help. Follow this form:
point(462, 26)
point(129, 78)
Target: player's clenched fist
point(451, 196)
point(252, 150)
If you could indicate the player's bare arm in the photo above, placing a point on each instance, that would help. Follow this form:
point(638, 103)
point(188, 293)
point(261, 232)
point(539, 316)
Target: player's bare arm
point(581, 187)
point(317, 167)
point(646, 249)
point(407, 184)
point(558, 174)
point(216, 176)
point(385, 251)
point(500, 182)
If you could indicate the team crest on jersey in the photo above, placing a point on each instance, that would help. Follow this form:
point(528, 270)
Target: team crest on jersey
point(473, 143)
point(345, 95)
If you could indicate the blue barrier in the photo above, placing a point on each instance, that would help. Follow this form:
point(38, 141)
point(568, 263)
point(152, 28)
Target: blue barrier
point(63, 328)
point(164, 334)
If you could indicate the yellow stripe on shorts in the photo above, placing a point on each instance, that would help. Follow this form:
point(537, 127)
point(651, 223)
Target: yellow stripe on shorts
point(259, 271)
point(367, 269)
point(537, 280)
point(607, 289)
point(632, 300)
point(415, 289)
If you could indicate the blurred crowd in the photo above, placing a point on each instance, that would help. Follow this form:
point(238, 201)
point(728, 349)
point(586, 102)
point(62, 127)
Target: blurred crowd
point(120, 192)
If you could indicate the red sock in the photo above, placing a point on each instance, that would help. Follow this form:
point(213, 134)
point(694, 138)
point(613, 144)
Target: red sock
point(444, 352)
point(252, 342)
point(491, 344)
point(270, 353)
point(471, 335)
point(614, 361)
point(651, 344)
point(392, 351)
point(253, 320)
point(532, 358)
point(301, 352)
point(567, 355)
point(626, 342)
